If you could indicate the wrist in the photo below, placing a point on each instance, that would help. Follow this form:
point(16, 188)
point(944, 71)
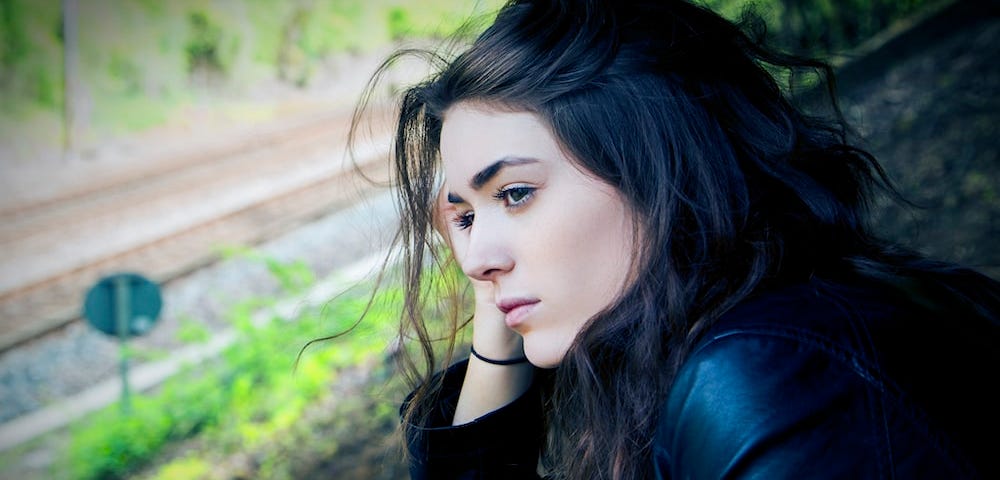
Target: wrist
point(497, 345)
point(498, 361)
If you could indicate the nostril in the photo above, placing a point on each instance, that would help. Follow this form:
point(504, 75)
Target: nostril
point(490, 273)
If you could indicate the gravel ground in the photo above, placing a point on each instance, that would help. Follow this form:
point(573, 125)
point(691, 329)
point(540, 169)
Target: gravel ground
point(78, 357)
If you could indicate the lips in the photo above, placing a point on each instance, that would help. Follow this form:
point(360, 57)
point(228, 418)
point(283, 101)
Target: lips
point(515, 309)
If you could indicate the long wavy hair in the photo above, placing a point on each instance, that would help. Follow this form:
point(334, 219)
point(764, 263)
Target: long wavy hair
point(735, 189)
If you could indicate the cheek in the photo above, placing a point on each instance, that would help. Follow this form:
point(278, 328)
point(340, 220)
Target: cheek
point(603, 256)
point(579, 269)
point(587, 254)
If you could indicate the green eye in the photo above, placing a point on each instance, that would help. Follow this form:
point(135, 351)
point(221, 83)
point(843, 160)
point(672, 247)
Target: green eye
point(515, 196)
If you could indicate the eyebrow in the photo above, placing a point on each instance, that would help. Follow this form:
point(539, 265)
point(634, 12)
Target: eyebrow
point(486, 174)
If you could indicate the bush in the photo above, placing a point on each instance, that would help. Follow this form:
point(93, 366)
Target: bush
point(240, 399)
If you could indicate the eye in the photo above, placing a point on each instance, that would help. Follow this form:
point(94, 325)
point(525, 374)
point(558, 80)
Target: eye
point(514, 196)
point(464, 220)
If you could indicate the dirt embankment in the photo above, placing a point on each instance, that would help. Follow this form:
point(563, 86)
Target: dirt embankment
point(928, 104)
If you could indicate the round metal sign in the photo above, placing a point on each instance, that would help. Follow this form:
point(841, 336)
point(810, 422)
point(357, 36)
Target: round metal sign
point(123, 303)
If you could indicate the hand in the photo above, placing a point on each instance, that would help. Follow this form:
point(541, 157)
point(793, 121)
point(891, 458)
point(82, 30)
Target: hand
point(490, 335)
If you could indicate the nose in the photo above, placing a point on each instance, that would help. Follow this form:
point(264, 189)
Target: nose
point(487, 256)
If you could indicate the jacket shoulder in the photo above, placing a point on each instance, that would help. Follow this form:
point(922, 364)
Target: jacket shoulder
point(805, 382)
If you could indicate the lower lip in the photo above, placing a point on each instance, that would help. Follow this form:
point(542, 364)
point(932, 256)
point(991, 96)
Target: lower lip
point(516, 316)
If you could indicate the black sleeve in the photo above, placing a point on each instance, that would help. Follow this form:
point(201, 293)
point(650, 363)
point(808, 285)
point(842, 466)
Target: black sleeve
point(503, 444)
point(784, 404)
point(768, 407)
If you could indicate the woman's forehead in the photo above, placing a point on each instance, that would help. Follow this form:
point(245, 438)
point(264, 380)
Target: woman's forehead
point(474, 138)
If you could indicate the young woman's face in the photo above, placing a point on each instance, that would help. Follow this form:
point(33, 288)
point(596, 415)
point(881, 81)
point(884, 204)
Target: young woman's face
point(553, 242)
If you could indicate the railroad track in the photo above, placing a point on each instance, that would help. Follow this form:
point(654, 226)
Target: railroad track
point(169, 220)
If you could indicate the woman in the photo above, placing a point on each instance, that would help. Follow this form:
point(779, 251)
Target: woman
point(672, 270)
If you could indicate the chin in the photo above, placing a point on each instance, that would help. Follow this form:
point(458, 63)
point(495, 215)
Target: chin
point(543, 356)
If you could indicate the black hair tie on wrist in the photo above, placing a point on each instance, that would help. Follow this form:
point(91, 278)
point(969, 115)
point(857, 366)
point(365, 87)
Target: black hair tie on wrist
point(512, 361)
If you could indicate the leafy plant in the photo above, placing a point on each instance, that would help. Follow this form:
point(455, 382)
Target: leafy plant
point(241, 399)
point(192, 331)
point(204, 44)
point(293, 276)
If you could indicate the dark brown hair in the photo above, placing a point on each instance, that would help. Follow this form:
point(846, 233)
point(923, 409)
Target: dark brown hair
point(735, 190)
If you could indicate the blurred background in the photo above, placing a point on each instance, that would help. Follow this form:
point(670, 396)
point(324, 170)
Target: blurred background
point(201, 145)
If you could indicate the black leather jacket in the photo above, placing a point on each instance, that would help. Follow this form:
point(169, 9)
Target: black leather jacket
point(809, 381)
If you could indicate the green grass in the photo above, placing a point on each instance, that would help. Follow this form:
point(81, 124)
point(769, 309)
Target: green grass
point(248, 399)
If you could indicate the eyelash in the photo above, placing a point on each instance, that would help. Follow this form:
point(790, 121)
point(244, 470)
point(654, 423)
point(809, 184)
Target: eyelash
point(464, 220)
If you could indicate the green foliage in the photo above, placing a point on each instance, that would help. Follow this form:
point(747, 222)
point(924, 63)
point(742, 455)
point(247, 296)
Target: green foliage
point(293, 277)
point(821, 27)
point(204, 43)
point(141, 112)
point(142, 61)
point(13, 40)
point(244, 398)
point(45, 88)
point(192, 331)
point(435, 19)
point(30, 53)
point(163, 52)
point(126, 74)
point(110, 451)
point(187, 468)
point(399, 22)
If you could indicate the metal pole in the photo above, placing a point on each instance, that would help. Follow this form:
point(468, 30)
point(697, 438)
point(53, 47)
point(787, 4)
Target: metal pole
point(122, 314)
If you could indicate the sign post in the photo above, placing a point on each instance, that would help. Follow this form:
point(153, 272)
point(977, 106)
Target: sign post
point(123, 305)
